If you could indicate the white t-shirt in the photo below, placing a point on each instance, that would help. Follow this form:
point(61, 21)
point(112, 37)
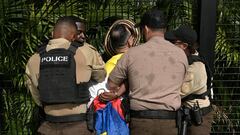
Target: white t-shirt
point(96, 89)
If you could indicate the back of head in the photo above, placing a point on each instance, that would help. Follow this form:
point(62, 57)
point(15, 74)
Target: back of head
point(119, 36)
point(65, 28)
point(153, 19)
point(185, 34)
point(77, 19)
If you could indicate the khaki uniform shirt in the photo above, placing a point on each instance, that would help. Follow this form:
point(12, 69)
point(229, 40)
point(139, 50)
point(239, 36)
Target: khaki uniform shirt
point(155, 72)
point(89, 65)
point(195, 82)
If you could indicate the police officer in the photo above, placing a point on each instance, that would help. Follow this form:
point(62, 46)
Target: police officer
point(57, 77)
point(195, 92)
point(155, 71)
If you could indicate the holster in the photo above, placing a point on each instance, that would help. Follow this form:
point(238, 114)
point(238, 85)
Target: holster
point(179, 120)
point(183, 120)
point(196, 115)
point(91, 118)
point(188, 116)
point(125, 105)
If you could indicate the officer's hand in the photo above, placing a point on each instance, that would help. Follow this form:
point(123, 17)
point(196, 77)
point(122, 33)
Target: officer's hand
point(108, 96)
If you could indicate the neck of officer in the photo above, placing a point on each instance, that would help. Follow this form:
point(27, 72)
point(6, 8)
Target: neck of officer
point(122, 49)
point(62, 35)
point(155, 33)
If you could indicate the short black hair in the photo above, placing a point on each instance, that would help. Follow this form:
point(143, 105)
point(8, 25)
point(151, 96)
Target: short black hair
point(119, 36)
point(67, 20)
point(154, 19)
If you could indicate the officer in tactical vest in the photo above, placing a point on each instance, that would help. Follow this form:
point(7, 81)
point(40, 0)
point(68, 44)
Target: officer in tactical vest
point(195, 92)
point(57, 77)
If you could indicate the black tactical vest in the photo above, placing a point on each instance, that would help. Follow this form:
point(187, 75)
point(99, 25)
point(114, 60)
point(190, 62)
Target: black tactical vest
point(57, 81)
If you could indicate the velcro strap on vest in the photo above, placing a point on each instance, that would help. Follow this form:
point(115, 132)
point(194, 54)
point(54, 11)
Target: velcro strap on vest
point(42, 49)
point(153, 114)
point(68, 118)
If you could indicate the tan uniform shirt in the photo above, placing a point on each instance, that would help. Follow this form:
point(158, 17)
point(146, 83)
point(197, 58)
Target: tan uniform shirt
point(155, 72)
point(89, 65)
point(195, 82)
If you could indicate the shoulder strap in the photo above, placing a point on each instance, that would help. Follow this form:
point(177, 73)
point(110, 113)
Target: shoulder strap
point(72, 49)
point(74, 46)
point(194, 58)
point(42, 50)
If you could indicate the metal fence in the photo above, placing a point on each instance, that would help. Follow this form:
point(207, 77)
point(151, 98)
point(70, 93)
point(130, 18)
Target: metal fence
point(31, 22)
point(227, 68)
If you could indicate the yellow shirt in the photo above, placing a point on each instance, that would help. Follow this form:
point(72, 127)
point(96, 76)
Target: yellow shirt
point(110, 64)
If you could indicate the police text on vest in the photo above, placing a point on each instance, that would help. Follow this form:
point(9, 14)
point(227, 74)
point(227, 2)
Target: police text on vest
point(54, 59)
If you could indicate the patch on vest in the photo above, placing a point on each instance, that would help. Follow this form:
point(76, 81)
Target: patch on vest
point(55, 59)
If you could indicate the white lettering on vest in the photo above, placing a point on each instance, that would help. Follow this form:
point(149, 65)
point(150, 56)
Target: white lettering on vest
point(54, 58)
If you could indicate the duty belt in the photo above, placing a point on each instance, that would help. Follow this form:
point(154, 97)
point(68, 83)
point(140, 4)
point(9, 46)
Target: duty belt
point(68, 118)
point(153, 114)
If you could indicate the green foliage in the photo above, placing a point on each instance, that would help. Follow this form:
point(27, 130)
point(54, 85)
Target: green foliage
point(225, 50)
point(227, 45)
point(18, 113)
point(23, 26)
point(227, 60)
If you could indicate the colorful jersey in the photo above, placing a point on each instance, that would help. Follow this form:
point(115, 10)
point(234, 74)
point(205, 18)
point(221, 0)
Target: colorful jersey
point(110, 64)
point(110, 118)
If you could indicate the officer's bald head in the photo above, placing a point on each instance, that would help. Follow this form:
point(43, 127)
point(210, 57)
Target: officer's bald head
point(65, 28)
